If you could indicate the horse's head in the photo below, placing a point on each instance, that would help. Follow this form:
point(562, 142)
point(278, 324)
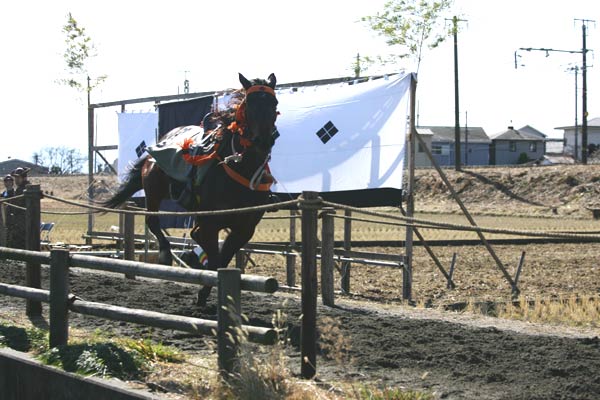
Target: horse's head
point(259, 111)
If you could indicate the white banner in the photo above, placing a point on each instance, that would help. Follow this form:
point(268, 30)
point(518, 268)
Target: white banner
point(136, 131)
point(332, 137)
point(342, 137)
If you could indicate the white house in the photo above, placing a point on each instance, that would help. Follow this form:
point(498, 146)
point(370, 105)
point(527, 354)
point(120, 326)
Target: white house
point(573, 142)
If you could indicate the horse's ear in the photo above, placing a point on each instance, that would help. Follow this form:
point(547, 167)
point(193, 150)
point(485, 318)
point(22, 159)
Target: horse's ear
point(272, 81)
point(245, 82)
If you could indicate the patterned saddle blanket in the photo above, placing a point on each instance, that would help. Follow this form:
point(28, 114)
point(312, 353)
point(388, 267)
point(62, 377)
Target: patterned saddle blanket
point(170, 153)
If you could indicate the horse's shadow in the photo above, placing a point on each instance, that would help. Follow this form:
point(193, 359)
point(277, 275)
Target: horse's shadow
point(504, 189)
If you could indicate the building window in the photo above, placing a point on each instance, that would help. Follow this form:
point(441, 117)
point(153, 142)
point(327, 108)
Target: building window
point(532, 147)
point(420, 148)
point(442, 149)
point(512, 146)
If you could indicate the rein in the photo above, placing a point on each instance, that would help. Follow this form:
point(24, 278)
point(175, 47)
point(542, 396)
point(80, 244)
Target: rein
point(238, 127)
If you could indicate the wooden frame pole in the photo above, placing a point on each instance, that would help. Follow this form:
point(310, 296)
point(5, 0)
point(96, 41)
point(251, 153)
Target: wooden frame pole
point(33, 195)
point(309, 286)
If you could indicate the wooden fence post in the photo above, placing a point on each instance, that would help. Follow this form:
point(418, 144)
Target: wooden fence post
point(290, 259)
point(59, 297)
point(309, 285)
point(240, 261)
point(228, 315)
point(129, 236)
point(327, 245)
point(33, 195)
point(346, 265)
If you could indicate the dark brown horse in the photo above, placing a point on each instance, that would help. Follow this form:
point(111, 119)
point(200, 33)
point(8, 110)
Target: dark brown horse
point(240, 178)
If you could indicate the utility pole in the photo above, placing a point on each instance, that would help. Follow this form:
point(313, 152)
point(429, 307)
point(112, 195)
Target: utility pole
point(186, 83)
point(584, 130)
point(583, 51)
point(575, 153)
point(466, 138)
point(455, 20)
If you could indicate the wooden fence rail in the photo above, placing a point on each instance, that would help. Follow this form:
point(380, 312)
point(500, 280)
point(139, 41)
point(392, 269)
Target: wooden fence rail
point(230, 283)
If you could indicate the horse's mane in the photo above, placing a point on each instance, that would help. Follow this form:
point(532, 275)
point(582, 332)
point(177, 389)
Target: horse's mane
point(226, 116)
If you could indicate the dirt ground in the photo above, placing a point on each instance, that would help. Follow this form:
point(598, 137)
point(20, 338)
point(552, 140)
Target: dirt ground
point(451, 355)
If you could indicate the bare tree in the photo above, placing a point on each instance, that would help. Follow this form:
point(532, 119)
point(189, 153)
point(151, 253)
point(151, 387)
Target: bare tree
point(61, 160)
point(408, 26)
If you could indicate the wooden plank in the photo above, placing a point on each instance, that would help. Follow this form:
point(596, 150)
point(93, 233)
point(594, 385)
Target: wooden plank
point(346, 265)
point(290, 259)
point(209, 278)
point(41, 257)
point(59, 297)
point(25, 292)
point(32, 243)
point(309, 287)
point(165, 321)
point(128, 237)
point(228, 314)
point(327, 263)
point(410, 196)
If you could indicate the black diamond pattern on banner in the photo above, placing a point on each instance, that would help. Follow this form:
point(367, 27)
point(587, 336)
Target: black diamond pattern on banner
point(327, 132)
point(141, 148)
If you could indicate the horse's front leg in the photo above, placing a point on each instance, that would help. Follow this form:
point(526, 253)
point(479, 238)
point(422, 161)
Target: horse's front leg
point(207, 236)
point(237, 238)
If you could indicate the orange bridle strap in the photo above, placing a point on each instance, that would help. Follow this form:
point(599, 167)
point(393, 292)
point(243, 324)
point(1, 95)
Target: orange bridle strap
point(260, 88)
point(263, 187)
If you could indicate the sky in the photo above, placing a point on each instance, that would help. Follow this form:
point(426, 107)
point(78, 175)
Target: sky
point(148, 48)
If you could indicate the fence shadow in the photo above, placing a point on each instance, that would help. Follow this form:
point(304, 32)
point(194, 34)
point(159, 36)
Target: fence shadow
point(504, 189)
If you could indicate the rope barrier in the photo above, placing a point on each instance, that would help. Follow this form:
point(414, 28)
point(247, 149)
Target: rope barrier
point(11, 198)
point(407, 221)
point(458, 227)
point(69, 212)
point(265, 207)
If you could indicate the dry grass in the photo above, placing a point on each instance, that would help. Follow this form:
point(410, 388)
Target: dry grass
point(571, 310)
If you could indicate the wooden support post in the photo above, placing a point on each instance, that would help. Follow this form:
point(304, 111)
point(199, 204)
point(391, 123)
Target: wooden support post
point(33, 195)
point(129, 237)
point(466, 213)
point(59, 297)
point(346, 265)
point(431, 253)
point(407, 271)
point(450, 284)
point(327, 262)
point(240, 261)
point(309, 285)
point(290, 259)
point(2, 226)
point(515, 289)
point(230, 321)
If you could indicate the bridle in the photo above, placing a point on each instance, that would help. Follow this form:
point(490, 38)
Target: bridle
point(240, 127)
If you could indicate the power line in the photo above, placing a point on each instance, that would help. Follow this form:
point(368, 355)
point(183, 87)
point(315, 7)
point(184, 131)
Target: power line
point(583, 52)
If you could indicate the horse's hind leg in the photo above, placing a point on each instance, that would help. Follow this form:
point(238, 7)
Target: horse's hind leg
point(164, 247)
point(156, 187)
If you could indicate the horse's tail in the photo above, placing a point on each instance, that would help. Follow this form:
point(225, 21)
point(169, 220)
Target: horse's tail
point(131, 184)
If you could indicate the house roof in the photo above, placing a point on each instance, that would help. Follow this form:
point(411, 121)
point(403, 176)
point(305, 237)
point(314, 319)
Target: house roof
point(446, 134)
point(514, 134)
point(530, 129)
point(594, 122)
point(6, 167)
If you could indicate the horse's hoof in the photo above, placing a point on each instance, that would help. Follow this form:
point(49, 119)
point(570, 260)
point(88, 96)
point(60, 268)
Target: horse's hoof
point(165, 258)
point(203, 296)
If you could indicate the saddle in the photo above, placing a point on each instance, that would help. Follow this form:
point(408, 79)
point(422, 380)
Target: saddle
point(186, 154)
